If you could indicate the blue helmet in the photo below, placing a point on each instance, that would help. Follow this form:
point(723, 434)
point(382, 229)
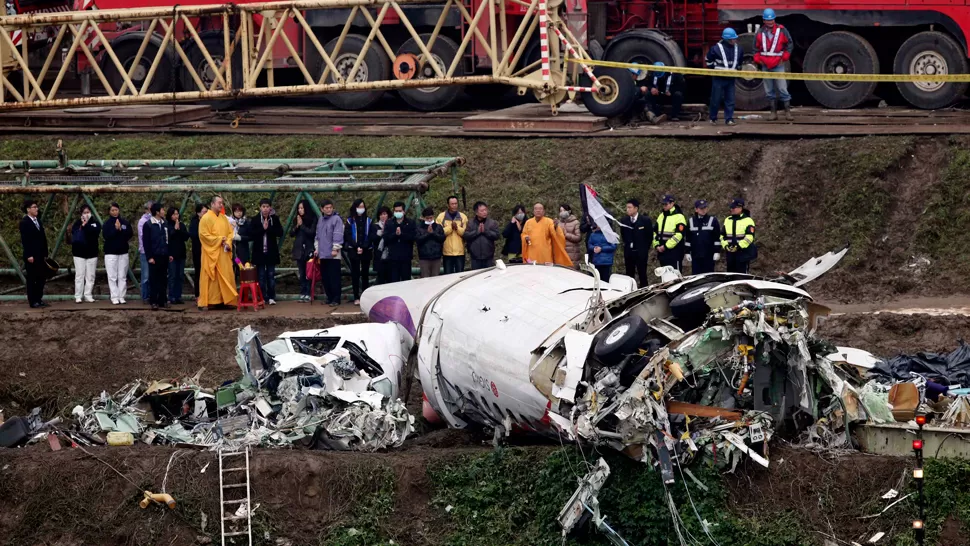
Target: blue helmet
point(729, 34)
point(660, 65)
point(768, 14)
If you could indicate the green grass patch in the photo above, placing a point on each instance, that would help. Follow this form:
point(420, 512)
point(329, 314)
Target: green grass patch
point(513, 497)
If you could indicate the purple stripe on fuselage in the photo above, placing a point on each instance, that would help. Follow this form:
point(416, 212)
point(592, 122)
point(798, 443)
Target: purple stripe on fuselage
point(393, 309)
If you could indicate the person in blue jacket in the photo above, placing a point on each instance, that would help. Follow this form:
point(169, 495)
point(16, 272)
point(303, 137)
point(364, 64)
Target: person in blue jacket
point(601, 253)
point(725, 55)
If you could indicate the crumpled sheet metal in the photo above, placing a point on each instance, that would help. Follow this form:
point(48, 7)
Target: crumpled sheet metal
point(716, 363)
point(312, 397)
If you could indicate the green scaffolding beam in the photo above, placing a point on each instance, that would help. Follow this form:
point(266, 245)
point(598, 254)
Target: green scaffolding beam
point(83, 179)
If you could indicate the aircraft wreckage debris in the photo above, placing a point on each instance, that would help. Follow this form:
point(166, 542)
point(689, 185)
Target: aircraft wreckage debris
point(709, 367)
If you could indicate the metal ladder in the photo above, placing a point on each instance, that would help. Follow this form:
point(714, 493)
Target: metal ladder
point(231, 490)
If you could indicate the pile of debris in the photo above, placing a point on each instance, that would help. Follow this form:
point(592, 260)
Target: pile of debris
point(283, 398)
point(752, 369)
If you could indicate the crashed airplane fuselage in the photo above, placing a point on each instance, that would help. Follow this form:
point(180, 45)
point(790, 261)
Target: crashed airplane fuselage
point(550, 349)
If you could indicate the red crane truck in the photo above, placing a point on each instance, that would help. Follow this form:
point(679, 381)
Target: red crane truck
point(926, 37)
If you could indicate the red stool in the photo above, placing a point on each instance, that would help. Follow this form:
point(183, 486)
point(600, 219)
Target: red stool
point(250, 296)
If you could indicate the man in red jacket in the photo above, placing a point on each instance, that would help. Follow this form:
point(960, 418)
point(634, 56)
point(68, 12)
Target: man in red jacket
point(773, 45)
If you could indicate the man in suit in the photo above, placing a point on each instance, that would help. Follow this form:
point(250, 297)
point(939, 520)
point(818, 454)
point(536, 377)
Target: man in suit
point(265, 232)
point(34, 241)
point(637, 231)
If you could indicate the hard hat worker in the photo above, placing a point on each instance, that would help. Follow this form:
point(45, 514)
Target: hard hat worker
point(737, 238)
point(670, 237)
point(703, 239)
point(725, 55)
point(773, 46)
point(661, 88)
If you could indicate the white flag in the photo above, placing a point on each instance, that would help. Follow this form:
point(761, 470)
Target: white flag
point(599, 215)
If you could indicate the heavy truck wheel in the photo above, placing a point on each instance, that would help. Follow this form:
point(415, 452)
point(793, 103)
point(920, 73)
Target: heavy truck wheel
point(619, 94)
point(644, 50)
point(216, 47)
point(375, 67)
point(126, 51)
point(841, 53)
point(430, 99)
point(930, 54)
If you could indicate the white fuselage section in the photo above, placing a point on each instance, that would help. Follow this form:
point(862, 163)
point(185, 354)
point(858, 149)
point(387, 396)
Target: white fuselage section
point(477, 331)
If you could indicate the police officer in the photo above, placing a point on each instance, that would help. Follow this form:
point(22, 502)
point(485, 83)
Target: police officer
point(725, 55)
point(703, 240)
point(663, 87)
point(737, 238)
point(669, 239)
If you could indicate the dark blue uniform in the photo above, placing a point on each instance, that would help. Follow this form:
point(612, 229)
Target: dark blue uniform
point(723, 56)
point(703, 242)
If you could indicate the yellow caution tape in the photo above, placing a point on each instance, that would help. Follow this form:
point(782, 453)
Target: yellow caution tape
point(758, 75)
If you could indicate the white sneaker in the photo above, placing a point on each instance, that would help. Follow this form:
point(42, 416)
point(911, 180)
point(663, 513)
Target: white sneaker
point(122, 301)
point(89, 300)
point(272, 301)
point(77, 300)
point(115, 302)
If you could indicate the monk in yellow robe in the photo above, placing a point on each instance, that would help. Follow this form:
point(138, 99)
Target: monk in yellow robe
point(217, 282)
point(543, 242)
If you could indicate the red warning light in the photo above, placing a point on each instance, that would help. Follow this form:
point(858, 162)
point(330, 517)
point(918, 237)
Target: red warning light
point(920, 420)
point(917, 444)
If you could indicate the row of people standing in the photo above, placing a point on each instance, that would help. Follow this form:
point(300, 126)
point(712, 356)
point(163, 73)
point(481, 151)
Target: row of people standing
point(699, 239)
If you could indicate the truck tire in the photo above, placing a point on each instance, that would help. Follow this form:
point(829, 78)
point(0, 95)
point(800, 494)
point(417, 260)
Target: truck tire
point(620, 339)
point(215, 46)
point(126, 51)
point(641, 50)
point(750, 94)
point(930, 53)
point(621, 92)
point(430, 99)
point(375, 67)
point(841, 53)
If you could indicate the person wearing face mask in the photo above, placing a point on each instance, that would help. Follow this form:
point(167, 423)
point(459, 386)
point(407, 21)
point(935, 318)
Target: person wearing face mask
point(512, 250)
point(377, 243)
point(574, 239)
point(240, 238)
point(357, 247)
point(329, 241)
point(430, 237)
point(480, 237)
point(399, 240)
point(116, 233)
point(303, 232)
point(454, 223)
point(84, 247)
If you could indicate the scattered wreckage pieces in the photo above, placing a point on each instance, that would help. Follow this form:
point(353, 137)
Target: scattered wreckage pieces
point(314, 394)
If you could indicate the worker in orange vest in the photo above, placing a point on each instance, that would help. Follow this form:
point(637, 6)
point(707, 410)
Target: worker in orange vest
point(773, 46)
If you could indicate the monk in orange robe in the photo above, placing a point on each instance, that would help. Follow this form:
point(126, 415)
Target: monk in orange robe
point(543, 242)
point(217, 282)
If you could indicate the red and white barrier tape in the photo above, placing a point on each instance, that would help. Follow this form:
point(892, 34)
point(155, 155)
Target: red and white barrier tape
point(575, 55)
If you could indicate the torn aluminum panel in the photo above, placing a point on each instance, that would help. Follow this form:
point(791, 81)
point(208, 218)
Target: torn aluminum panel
point(584, 503)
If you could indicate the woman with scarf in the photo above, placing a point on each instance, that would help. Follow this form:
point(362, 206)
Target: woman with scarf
point(357, 247)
